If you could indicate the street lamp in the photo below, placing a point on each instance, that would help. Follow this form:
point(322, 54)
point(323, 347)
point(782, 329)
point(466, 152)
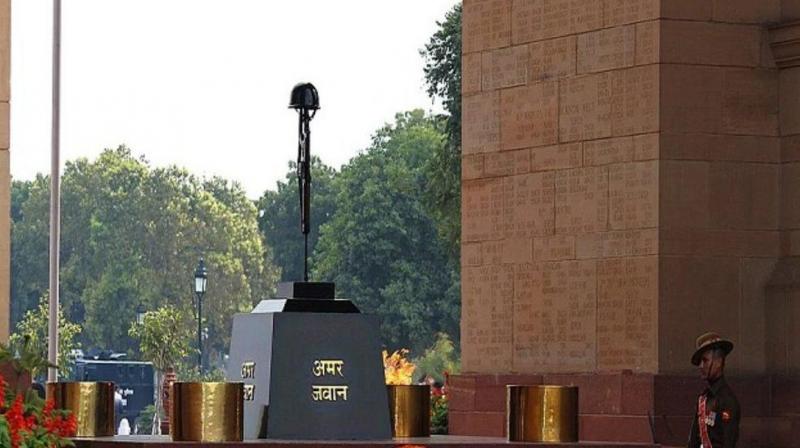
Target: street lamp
point(200, 284)
point(140, 312)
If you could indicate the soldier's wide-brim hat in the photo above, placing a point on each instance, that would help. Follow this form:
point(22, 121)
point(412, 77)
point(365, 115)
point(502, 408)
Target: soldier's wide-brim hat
point(709, 341)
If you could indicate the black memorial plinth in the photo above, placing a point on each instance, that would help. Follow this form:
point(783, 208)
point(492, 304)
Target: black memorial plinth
point(312, 370)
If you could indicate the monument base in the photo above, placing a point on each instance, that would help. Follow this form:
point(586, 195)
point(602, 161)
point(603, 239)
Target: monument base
point(435, 441)
point(635, 408)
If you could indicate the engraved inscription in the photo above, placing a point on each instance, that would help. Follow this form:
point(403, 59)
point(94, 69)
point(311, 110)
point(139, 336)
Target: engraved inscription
point(481, 127)
point(633, 194)
point(529, 205)
point(529, 115)
point(249, 392)
point(585, 107)
point(554, 310)
point(648, 37)
point(606, 49)
point(634, 103)
point(504, 68)
point(486, 316)
point(507, 163)
point(556, 157)
point(471, 73)
point(552, 58)
point(482, 209)
point(553, 248)
point(581, 200)
point(542, 19)
point(486, 24)
point(248, 369)
point(627, 306)
point(606, 151)
point(619, 12)
point(617, 244)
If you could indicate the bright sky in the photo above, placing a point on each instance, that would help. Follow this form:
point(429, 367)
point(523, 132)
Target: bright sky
point(205, 84)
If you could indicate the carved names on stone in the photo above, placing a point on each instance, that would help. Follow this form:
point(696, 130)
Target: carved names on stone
point(482, 209)
point(619, 12)
point(633, 192)
point(534, 20)
point(552, 58)
point(581, 200)
point(529, 205)
point(607, 151)
point(486, 25)
point(606, 49)
point(634, 104)
point(481, 122)
point(529, 115)
point(556, 157)
point(504, 67)
point(471, 73)
point(585, 107)
point(624, 243)
point(554, 316)
point(627, 309)
point(487, 307)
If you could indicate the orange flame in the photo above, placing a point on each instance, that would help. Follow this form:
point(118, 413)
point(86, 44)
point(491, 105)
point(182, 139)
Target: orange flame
point(397, 369)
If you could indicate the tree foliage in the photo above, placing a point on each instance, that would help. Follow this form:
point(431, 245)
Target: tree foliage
point(279, 217)
point(132, 235)
point(442, 55)
point(164, 338)
point(381, 246)
point(33, 330)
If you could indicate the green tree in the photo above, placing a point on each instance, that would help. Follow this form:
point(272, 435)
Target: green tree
point(30, 227)
point(381, 246)
point(33, 330)
point(163, 340)
point(442, 55)
point(132, 235)
point(442, 357)
point(279, 217)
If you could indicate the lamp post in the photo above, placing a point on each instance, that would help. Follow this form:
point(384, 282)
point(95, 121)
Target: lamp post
point(140, 312)
point(200, 284)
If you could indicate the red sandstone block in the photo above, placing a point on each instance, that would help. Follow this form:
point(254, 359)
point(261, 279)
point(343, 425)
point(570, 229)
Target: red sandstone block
point(490, 398)
point(786, 395)
point(506, 379)
point(615, 428)
point(462, 381)
point(461, 399)
point(676, 395)
point(597, 393)
point(487, 424)
point(637, 393)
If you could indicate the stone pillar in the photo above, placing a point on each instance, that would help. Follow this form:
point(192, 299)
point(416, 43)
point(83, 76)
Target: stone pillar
point(628, 184)
point(5, 175)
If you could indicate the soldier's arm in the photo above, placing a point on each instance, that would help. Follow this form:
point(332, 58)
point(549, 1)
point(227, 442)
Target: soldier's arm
point(730, 424)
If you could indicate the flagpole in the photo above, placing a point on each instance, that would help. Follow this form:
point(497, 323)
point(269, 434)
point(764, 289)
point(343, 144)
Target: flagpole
point(55, 181)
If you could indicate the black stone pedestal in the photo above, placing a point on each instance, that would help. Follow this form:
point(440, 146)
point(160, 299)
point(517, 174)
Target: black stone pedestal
point(310, 375)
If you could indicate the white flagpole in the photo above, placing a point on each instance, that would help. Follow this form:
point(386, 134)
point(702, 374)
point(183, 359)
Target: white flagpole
point(55, 194)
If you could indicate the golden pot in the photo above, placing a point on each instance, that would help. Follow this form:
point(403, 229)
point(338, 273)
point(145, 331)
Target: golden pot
point(542, 413)
point(410, 410)
point(207, 412)
point(92, 403)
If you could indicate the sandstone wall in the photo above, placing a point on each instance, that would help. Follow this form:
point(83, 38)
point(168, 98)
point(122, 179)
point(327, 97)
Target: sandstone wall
point(630, 180)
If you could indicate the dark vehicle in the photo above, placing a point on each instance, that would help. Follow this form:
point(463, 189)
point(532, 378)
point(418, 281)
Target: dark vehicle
point(134, 380)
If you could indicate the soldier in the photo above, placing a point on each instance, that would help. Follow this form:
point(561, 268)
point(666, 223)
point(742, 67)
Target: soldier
point(716, 418)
